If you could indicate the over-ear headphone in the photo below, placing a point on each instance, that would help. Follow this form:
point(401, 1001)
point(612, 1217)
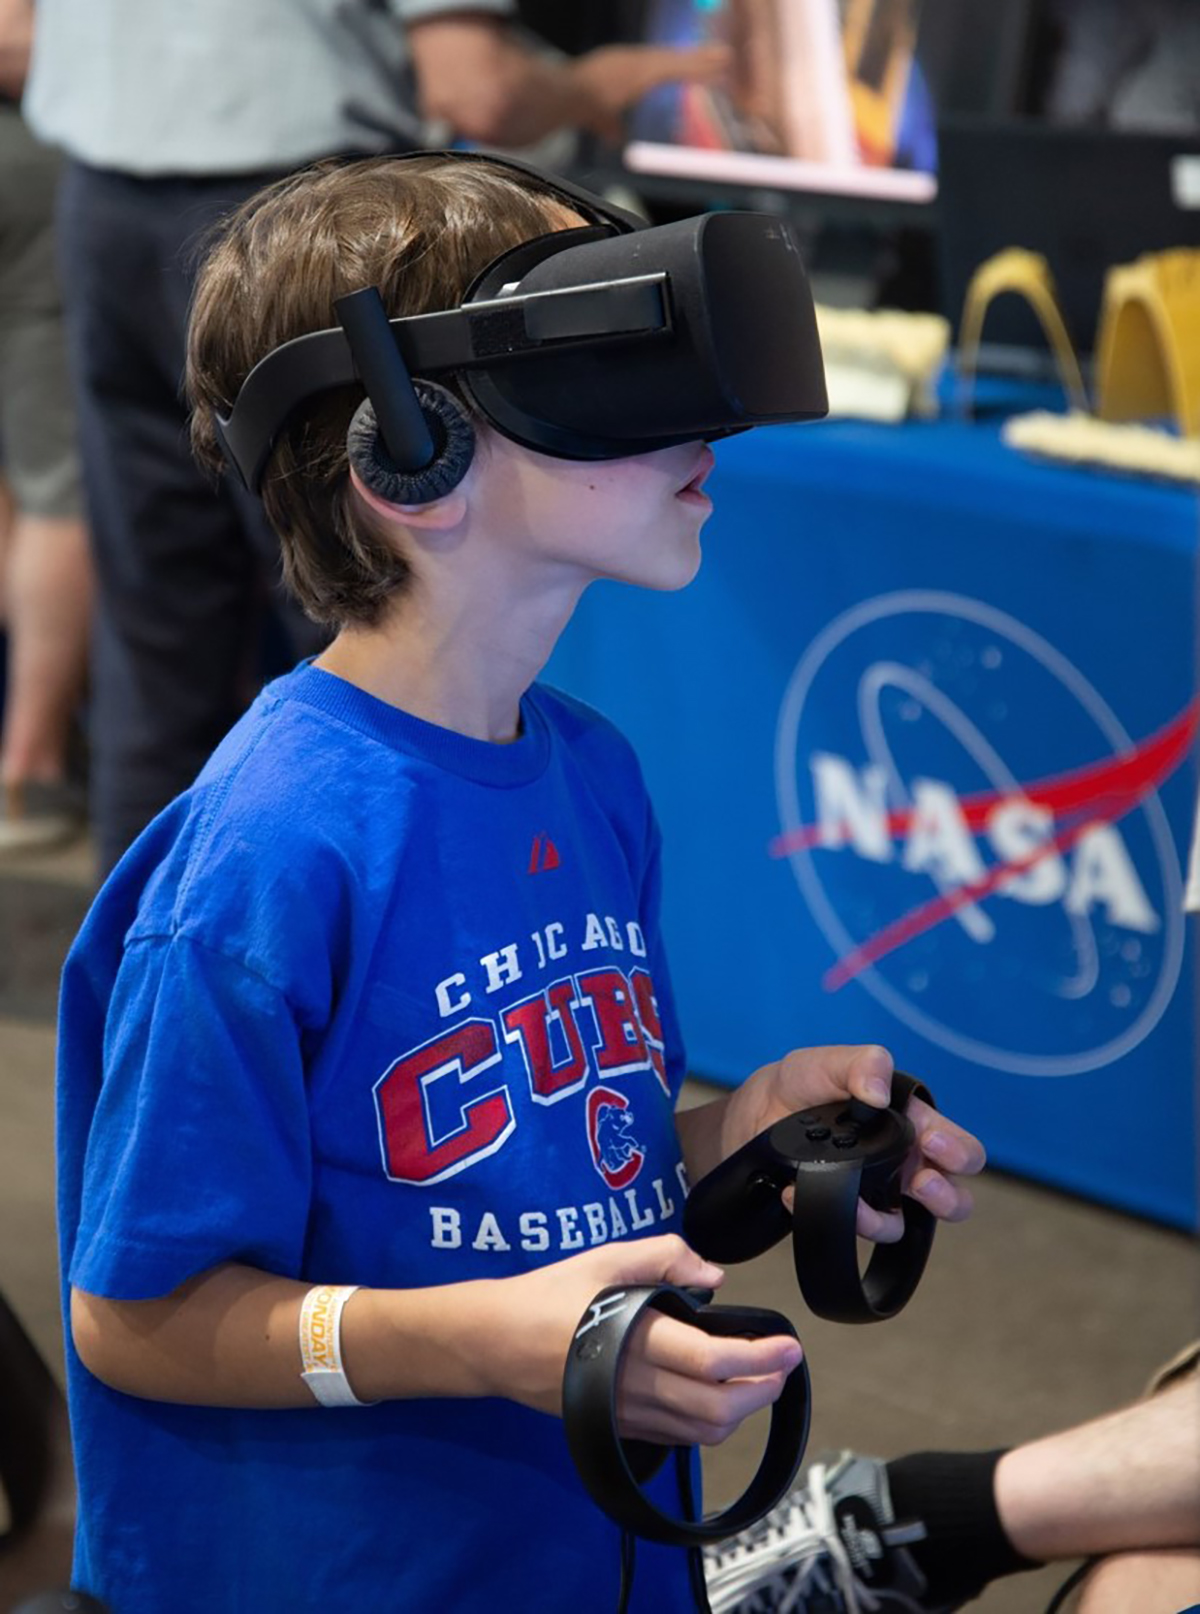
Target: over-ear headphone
point(409, 441)
point(451, 434)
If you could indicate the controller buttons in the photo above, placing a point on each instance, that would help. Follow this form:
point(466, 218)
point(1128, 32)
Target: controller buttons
point(813, 1116)
point(845, 1140)
point(817, 1134)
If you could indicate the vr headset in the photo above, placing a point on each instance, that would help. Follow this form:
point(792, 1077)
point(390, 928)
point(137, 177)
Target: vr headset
point(593, 343)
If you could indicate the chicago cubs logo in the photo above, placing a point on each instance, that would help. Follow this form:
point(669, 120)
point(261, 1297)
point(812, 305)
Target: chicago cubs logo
point(1017, 906)
point(616, 1153)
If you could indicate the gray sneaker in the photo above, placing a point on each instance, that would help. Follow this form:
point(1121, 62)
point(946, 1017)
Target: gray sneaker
point(832, 1546)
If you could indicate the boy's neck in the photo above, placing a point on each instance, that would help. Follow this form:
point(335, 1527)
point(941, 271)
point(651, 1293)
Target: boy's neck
point(466, 676)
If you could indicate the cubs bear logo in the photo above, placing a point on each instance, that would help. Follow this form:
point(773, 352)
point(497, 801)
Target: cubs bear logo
point(616, 1153)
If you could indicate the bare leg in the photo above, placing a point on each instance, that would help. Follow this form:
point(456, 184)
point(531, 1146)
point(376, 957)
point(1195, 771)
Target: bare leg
point(1125, 1482)
point(48, 601)
point(1165, 1581)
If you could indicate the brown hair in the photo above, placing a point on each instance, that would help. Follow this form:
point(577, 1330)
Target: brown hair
point(421, 229)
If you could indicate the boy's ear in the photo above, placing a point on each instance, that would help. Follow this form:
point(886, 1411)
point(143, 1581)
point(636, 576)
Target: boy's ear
point(437, 515)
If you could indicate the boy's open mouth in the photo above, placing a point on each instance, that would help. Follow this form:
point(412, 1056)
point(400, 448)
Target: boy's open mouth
point(695, 485)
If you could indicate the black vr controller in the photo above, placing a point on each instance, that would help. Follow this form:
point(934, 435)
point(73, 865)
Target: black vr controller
point(832, 1155)
point(614, 1470)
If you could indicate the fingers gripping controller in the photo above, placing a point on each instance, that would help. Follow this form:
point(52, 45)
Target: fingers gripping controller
point(614, 1470)
point(832, 1155)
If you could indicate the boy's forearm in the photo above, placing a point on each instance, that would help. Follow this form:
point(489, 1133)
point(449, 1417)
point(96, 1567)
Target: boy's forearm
point(231, 1338)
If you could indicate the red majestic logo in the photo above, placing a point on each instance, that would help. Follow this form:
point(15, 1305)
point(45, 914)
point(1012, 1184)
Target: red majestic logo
point(544, 855)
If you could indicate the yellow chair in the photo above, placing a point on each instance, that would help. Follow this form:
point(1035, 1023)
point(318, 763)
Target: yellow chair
point(1027, 274)
point(1148, 348)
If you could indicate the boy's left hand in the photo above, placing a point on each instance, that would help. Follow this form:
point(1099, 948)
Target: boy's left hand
point(941, 1153)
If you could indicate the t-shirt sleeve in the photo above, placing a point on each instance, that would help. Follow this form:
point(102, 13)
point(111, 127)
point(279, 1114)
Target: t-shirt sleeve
point(198, 1150)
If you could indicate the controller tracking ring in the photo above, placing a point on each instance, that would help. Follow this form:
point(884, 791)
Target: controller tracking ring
point(824, 1246)
point(831, 1155)
point(613, 1470)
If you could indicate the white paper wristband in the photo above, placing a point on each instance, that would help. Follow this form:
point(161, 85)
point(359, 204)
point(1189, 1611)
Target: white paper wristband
point(321, 1345)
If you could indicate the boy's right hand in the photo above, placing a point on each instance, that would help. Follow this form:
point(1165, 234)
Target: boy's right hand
point(678, 1385)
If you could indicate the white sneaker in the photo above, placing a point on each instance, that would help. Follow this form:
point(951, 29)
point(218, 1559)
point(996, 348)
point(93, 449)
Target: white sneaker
point(832, 1546)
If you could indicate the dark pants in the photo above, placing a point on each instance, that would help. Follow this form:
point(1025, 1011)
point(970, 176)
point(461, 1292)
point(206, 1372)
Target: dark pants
point(187, 574)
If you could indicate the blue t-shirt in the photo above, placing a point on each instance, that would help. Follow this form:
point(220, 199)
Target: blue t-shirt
point(371, 1003)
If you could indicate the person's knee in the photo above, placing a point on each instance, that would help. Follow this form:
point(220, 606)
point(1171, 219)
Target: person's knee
point(1163, 1581)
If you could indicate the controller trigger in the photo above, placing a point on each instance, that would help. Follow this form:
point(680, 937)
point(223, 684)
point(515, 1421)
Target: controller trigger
point(763, 1187)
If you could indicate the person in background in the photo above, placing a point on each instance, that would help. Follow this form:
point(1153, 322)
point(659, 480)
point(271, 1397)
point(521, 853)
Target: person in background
point(170, 115)
point(930, 1531)
point(45, 565)
point(1128, 67)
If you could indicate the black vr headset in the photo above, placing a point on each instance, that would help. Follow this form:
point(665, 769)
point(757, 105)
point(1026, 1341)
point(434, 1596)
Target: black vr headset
point(592, 343)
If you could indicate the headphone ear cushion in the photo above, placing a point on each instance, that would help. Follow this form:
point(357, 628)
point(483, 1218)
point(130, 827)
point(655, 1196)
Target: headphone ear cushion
point(453, 449)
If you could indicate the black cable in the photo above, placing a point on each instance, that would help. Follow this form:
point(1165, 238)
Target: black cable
point(628, 1565)
point(699, 1583)
point(687, 1498)
point(1069, 1585)
point(695, 1556)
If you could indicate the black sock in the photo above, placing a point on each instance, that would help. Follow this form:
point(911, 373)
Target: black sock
point(952, 1494)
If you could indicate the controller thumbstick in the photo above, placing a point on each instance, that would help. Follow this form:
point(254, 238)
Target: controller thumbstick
point(859, 1113)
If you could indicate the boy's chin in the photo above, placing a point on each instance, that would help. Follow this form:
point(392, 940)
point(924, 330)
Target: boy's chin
point(673, 578)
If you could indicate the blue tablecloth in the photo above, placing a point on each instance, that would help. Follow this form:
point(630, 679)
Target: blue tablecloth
point(920, 740)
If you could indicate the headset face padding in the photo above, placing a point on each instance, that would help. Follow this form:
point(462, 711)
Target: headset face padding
point(454, 448)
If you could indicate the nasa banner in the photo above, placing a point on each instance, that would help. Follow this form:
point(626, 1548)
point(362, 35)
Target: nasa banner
point(922, 738)
point(1019, 913)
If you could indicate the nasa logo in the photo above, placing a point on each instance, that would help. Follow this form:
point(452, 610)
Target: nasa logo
point(1017, 907)
point(616, 1153)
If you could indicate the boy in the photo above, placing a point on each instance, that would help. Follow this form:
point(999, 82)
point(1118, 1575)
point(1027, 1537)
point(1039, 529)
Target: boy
point(332, 1023)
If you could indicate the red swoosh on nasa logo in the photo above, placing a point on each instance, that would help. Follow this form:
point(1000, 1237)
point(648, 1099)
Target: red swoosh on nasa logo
point(1137, 770)
point(1099, 793)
